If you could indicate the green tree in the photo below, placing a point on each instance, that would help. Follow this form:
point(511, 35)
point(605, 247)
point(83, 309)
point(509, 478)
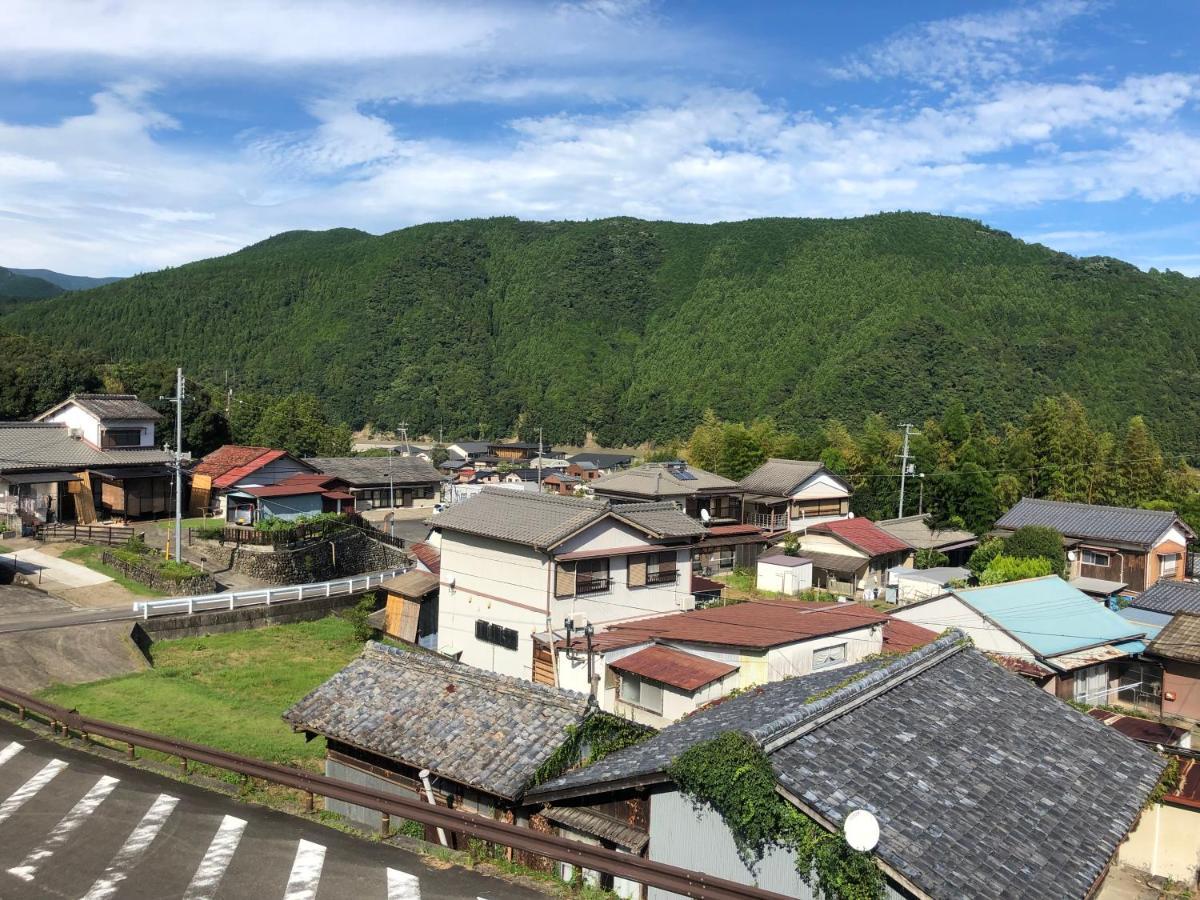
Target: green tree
point(1038, 542)
point(1140, 463)
point(1011, 568)
point(982, 556)
point(297, 424)
point(930, 558)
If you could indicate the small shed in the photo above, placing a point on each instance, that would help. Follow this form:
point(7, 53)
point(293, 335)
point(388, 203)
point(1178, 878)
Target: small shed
point(784, 574)
point(411, 610)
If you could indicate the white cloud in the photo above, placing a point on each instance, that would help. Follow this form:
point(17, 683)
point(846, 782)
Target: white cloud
point(947, 52)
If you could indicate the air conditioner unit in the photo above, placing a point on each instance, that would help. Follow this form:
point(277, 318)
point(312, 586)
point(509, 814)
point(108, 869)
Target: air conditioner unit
point(76, 433)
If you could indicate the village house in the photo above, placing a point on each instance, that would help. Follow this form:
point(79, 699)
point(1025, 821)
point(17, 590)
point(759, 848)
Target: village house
point(1153, 609)
point(1136, 547)
point(410, 608)
point(654, 671)
point(515, 564)
point(934, 745)
point(303, 494)
point(406, 722)
point(711, 500)
point(468, 450)
point(1047, 631)
point(957, 544)
point(561, 483)
point(601, 461)
point(91, 456)
point(852, 556)
point(793, 494)
point(906, 584)
point(220, 479)
point(384, 482)
point(1177, 649)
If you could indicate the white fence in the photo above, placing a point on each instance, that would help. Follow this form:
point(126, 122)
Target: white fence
point(339, 587)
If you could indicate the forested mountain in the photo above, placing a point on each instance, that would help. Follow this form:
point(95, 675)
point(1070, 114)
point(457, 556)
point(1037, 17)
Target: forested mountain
point(16, 285)
point(66, 282)
point(633, 329)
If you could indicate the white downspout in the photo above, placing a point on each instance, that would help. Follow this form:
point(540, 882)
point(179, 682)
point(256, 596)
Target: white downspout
point(424, 776)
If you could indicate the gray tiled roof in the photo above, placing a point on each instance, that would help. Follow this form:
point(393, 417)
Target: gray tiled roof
point(43, 445)
point(984, 785)
point(914, 530)
point(1169, 597)
point(543, 520)
point(1081, 520)
point(655, 480)
point(373, 470)
point(111, 407)
point(1180, 639)
point(663, 518)
point(600, 459)
point(477, 728)
point(779, 477)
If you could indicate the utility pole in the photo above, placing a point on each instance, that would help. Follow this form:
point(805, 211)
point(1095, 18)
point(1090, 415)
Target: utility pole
point(404, 437)
point(921, 496)
point(178, 401)
point(904, 465)
point(539, 460)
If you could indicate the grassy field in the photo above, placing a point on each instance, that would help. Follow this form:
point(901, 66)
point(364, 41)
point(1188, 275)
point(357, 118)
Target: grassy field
point(90, 557)
point(226, 690)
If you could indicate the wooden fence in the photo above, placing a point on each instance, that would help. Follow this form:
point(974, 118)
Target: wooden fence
point(110, 535)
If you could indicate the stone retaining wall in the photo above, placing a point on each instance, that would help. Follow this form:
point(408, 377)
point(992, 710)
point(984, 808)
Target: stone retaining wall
point(346, 553)
point(198, 584)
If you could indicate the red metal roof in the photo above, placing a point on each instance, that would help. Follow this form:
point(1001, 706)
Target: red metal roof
point(1026, 667)
point(900, 636)
point(1143, 730)
point(296, 486)
point(429, 556)
point(702, 585)
point(236, 474)
point(673, 667)
point(230, 456)
point(863, 534)
point(759, 624)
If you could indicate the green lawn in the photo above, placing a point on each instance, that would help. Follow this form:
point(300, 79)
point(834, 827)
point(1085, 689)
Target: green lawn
point(4, 548)
point(197, 522)
point(90, 556)
point(226, 690)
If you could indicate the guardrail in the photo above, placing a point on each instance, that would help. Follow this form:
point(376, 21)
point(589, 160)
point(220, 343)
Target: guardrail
point(339, 587)
point(621, 865)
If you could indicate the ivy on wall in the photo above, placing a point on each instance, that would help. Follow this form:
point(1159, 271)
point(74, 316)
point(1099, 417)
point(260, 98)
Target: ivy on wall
point(589, 742)
point(733, 776)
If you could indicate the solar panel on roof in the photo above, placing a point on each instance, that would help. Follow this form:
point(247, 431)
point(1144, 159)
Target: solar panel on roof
point(682, 474)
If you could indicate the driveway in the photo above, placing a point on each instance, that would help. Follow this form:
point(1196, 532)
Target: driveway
point(51, 573)
point(73, 825)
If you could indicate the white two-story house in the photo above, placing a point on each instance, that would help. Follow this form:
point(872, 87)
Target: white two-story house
point(516, 564)
point(793, 494)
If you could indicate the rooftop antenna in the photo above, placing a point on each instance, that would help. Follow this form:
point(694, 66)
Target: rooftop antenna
point(862, 830)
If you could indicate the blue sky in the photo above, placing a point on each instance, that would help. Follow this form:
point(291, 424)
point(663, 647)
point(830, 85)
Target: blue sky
point(136, 135)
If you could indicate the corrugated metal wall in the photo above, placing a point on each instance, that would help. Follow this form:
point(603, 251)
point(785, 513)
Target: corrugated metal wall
point(367, 818)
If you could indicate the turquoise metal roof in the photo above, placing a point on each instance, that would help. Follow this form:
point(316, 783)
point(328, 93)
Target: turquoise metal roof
point(1145, 620)
point(1049, 615)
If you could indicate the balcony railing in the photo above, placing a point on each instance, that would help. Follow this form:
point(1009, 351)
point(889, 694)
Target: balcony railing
point(769, 521)
point(665, 576)
point(592, 585)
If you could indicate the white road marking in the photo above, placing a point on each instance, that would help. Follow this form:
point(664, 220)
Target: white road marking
point(306, 872)
point(135, 845)
point(10, 751)
point(66, 825)
point(402, 886)
point(216, 860)
point(18, 797)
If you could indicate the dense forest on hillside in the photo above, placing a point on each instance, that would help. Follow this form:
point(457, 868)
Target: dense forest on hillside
point(17, 289)
point(632, 330)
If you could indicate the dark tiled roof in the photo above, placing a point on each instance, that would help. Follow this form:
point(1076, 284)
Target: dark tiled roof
point(983, 784)
point(49, 445)
point(1180, 639)
point(373, 470)
point(473, 727)
point(1141, 527)
point(663, 519)
point(780, 477)
point(835, 562)
point(1169, 597)
point(915, 531)
point(863, 534)
point(602, 460)
point(111, 407)
point(676, 668)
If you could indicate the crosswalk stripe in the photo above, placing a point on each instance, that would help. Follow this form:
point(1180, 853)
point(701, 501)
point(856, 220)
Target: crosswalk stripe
point(306, 872)
point(135, 845)
point(216, 859)
point(66, 825)
point(10, 751)
point(402, 886)
point(18, 797)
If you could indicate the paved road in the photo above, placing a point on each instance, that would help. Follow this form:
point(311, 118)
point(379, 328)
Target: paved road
point(73, 825)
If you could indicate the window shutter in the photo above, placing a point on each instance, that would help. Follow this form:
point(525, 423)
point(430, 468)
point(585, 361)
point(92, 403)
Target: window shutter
point(637, 571)
point(564, 585)
point(666, 561)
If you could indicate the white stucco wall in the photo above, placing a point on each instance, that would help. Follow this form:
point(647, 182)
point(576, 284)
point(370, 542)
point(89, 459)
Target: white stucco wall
point(825, 543)
point(784, 579)
point(76, 417)
point(950, 612)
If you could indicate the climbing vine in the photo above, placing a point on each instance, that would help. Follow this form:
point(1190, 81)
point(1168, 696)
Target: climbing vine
point(1168, 782)
point(733, 776)
point(589, 742)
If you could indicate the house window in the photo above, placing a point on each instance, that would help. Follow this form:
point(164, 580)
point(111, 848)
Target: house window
point(1167, 563)
point(490, 633)
point(122, 437)
point(1095, 558)
point(828, 657)
point(725, 558)
point(1091, 684)
point(660, 568)
point(809, 508)
point(644, 694)
point(591, 576)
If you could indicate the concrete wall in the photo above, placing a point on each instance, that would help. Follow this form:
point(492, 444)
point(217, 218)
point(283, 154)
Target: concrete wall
point(1166, 843)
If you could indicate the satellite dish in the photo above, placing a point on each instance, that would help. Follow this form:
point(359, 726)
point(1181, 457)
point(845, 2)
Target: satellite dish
point(849, 515)
point(862, 830)
point(704, 516)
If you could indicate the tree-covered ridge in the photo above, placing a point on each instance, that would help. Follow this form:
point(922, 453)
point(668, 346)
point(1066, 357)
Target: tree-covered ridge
point(17, 289)
point(632, 329)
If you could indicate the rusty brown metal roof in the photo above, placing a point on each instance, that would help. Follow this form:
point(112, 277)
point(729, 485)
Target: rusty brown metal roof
point(596, 824)
point(676, 668)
